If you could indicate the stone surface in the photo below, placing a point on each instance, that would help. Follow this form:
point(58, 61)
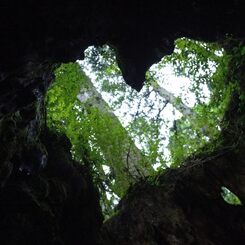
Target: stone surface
point(57, 204)
point(182, 206)
point(46, 197)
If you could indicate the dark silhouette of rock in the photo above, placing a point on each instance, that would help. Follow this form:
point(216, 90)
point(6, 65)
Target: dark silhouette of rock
point(45, 196)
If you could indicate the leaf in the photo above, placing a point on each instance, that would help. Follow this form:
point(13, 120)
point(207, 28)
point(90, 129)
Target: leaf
point(230, 197)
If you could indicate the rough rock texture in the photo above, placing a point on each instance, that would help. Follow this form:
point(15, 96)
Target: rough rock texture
point(141, 32)
point(45, 197)
point(57, 204)
point(183, 206)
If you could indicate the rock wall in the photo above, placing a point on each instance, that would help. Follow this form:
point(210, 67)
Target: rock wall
point(183, 206)
point(46, 197)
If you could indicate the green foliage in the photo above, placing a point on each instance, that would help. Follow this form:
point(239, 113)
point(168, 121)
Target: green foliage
point(147, 132)
point(98, 138)
point(106, 147)
point(224, 85)
point(144, 130)
point(63, 94)
point(204, 64)
point(230, 197)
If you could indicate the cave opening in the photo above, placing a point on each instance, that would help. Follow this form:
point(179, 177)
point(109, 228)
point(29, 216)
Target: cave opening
point(48, 196)
point(123, 135)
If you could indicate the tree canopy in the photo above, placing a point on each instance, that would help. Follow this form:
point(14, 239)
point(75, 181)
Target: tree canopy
point(121, 152)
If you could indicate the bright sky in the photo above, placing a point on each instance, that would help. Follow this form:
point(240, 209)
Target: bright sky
point(165, 76)
point(179, 86)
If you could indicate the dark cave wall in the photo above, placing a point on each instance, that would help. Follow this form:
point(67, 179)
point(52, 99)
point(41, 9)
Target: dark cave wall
point(141, 32)
point(183, 206)
point(46, 197)
point(35, 36)
point(54, 205)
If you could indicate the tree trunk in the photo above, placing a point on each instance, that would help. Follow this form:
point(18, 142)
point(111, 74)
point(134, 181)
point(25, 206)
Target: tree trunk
point(168, 96)
point(134, 161)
